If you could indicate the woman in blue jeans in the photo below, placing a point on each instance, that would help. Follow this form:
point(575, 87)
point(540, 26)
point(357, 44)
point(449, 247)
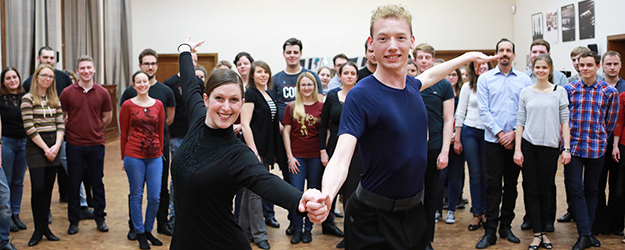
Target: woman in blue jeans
point(301, 122)
point(141, 121)
point(13, 141)
point(470, 139)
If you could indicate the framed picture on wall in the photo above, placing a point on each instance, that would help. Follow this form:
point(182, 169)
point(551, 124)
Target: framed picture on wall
point(568, 22)
point(551, 27)
point(537, 26)
point(586, 19)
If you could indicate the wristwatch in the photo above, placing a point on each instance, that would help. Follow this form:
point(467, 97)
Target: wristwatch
point(567, 150)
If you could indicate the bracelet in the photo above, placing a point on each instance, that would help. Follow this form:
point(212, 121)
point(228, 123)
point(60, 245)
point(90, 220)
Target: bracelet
point(190, 48)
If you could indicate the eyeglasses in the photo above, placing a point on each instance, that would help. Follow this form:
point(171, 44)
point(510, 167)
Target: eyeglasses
point(149, 64)
point(46, 76)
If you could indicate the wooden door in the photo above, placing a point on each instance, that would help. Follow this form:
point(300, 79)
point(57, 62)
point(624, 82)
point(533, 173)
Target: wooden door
point(168, 64)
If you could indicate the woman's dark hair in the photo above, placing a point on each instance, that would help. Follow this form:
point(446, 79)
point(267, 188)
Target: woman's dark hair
point(547, 59)
point(458, 85)
point(473, 75)
point(348, 63)
point(242, 54)
point(222, 77)
point(3, 89)
point(250, 83)
point(136, 74)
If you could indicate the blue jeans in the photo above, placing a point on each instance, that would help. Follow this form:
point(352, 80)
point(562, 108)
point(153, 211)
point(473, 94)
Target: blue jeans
point(174, 143)
point(5, 210)
point(14, 166)
point(310, 169)
point(149, 172)
point(581, 178)
point(474, 153)
point(452, 174)
point(90, 159)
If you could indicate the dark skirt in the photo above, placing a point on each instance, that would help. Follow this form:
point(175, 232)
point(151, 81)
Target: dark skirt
point(35, 157)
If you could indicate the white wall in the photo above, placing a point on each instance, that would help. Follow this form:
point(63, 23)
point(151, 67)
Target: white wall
point(609, 20)
point(325, 27)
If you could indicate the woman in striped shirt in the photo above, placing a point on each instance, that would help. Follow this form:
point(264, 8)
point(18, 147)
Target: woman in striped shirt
point(43, 122)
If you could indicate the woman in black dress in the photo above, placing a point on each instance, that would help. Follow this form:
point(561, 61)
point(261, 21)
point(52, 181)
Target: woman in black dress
point(212, 164)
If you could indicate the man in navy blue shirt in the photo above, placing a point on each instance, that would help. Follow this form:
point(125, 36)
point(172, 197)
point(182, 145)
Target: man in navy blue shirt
point(385, 114)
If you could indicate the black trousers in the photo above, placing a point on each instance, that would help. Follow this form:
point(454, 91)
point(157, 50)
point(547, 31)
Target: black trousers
point(609, 217)
point(163, 206)
point(500, 166)
point(539, 172)
point(42, 181)
point(370, 228)
point(430, 201)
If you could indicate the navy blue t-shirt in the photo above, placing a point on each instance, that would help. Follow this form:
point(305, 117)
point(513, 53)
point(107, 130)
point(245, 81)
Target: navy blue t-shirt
point(391, 128)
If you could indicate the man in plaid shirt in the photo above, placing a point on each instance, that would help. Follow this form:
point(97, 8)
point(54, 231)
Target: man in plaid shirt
point(593, 105)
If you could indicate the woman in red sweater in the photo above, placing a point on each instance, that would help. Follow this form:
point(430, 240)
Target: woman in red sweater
point(141, 121)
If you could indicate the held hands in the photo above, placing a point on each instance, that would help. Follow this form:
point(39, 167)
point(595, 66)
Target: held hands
point(52, 152)
point(506, 139)
point(192, 45)
point(316, 204)
point(293, 165)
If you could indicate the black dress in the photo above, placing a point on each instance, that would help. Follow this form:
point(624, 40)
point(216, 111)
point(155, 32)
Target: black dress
point(330, 120)
point(209, 168)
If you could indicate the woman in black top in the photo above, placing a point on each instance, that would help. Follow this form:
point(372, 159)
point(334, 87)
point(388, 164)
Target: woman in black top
point(13, 141)
point(212, 164)
point(260, 130)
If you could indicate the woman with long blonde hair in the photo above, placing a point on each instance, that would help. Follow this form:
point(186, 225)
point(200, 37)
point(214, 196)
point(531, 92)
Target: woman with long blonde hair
point(301, 140)
point(44, 125)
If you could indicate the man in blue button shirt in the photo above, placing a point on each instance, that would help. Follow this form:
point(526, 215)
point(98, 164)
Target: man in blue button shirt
point(498, 101)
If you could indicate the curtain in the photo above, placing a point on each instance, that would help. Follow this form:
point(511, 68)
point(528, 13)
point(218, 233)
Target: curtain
point(19, 35)
point(82, 33)
point(117, 33)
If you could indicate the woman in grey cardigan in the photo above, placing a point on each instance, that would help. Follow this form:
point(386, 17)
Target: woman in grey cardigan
point(543, 113)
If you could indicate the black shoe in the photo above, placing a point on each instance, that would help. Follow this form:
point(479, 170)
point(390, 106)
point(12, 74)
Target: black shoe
point(9, 247)
point(341, 244)
point(16, 219)
point(594, 241)
point(507, 234)
point(263, 244)
point(619, 233)
point(429, 246)
point(526, 225)
point(50, 236)
point(289, 230)
point(153, 239)
point(568, 217)
point(338, 214)
point(307, 238)
point(13, 227)
point(332, 229)
point(297, 237)
point(582, 243)
point(549, 227)
point(486, 241)
point(34, 240)
point(461, 205)
point(143, 241)
point(86, 213)
point(163, 228)
point(131, 234)
point(272, 222)
point(73, 228)
point(102, 227)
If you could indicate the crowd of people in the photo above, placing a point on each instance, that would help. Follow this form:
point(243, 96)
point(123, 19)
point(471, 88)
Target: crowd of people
point(392, 138)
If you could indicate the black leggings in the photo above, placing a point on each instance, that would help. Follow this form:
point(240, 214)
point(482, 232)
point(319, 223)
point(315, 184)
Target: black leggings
point(539, 171)
point(42, 182)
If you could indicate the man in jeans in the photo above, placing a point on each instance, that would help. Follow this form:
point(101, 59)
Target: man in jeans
point(87, 110)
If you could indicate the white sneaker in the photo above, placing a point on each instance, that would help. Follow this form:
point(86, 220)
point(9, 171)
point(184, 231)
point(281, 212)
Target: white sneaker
point(437, 217)
point(450, 218)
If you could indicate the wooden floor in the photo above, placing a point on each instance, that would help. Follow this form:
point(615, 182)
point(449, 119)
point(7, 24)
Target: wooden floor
point(448, 236)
